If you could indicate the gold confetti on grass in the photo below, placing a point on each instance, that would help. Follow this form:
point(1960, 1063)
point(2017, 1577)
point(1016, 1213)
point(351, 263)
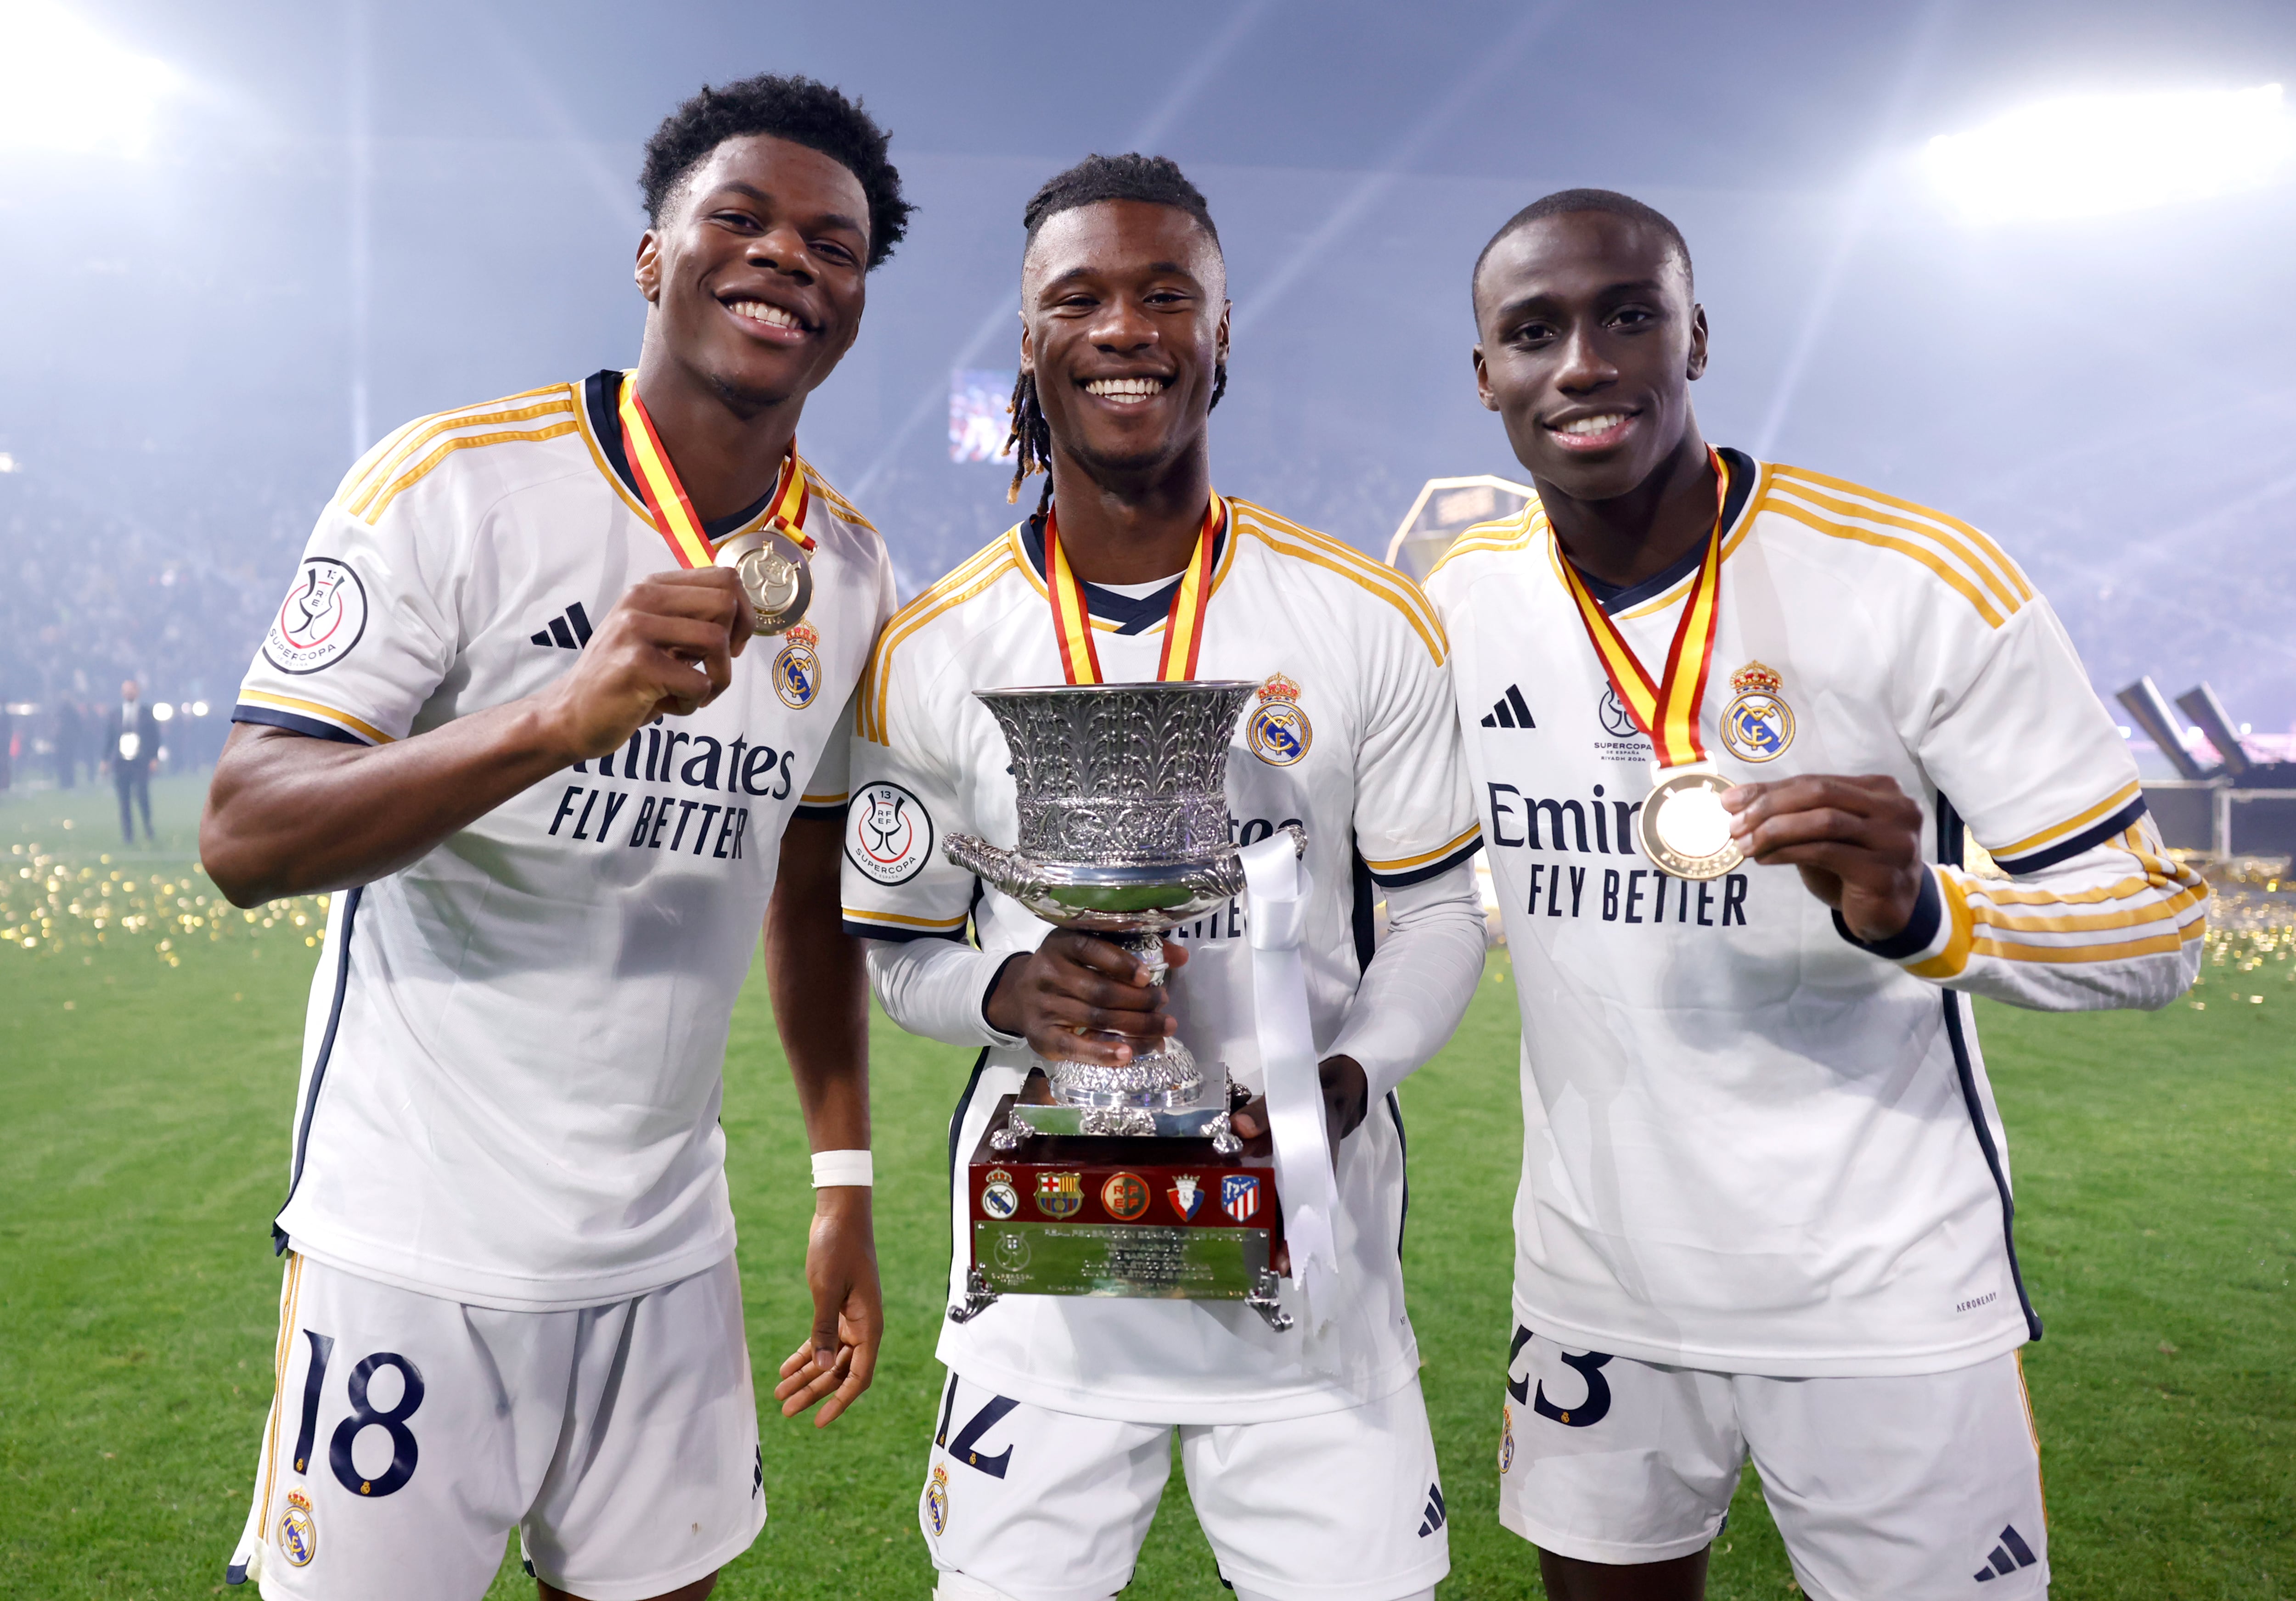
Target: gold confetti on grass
point(52, 907)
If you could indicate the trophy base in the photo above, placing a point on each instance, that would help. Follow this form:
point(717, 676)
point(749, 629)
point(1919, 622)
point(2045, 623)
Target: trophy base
point(1166, 1213)
point(1199, 1112)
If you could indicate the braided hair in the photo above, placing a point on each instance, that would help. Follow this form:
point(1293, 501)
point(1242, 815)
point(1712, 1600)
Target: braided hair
point(1157, 181)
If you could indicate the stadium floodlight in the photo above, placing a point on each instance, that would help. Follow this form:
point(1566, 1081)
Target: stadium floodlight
point(65, 85)
point(2094, 154)
point(199, 708)
point(163, 712)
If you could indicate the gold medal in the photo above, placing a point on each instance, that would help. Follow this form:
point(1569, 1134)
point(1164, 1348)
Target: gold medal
point(1682, 828)
point(776, 577)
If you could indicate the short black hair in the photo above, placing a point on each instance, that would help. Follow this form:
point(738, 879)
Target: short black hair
point(1157, 180)
point(803, 111)
point(1591, 199)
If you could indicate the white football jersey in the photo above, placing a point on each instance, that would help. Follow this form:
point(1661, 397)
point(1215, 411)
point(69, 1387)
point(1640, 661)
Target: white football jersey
point(512, 1067)
point(1751, 1144)
point(1351, 736)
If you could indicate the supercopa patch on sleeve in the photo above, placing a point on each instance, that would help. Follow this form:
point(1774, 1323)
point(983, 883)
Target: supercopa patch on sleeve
point(322, 618)
point(889, 834)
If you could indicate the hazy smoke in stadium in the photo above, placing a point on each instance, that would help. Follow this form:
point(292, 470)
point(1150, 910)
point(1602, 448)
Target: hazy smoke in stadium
point(231, 228)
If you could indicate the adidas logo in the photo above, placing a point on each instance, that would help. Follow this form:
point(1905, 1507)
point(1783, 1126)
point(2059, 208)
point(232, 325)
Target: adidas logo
point(2012, 1554)
point(1434, 1518)
point(562, 636)
point(1511, 710)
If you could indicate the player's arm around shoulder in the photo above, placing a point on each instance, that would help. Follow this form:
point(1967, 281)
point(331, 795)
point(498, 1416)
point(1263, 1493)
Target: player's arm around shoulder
point(2002, 721)
point(321, 785)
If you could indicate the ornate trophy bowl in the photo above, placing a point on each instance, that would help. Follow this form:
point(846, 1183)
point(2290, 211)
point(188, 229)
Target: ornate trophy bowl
point(1122, 800)
point(1122, 796)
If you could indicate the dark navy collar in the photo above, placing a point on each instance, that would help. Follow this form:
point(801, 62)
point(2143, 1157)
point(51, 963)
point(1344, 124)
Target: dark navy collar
point(1613, 598)
point(602, 397)
point(1131, 614)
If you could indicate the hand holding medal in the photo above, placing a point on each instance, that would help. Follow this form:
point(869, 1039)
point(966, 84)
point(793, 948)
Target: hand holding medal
point(1681, 826)
point(770, 560)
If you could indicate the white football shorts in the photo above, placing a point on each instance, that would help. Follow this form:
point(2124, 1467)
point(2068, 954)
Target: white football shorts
point(1031, 1504)
point(1922, 1486)
point(409, 1434)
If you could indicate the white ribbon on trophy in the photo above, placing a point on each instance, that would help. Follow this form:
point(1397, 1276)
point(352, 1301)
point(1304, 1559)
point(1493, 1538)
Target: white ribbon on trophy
point(1279, 884)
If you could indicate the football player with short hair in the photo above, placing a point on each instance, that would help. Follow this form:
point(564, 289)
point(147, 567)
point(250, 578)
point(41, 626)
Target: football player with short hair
point(1307, 1450)
point(1765, 1204)
point(557, 709)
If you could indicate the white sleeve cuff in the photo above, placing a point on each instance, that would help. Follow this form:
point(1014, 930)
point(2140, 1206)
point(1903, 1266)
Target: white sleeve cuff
point(1420, 980)
point(937, 988)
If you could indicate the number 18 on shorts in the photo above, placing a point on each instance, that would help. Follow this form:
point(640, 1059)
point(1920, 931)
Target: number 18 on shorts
point(409, 1434)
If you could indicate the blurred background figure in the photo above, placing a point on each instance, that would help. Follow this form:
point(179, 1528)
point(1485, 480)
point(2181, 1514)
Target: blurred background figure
point(70, 734)
point(131, 742)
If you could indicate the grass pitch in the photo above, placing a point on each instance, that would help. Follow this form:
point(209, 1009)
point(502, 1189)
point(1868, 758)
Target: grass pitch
point(148, 1094)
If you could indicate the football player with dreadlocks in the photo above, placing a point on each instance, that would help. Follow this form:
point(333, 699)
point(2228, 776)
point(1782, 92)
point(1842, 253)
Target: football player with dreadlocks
point(1306, 1448)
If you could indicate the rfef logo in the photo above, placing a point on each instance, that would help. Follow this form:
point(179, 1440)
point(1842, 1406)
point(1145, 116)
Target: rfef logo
point(322, 616)
point(889, 834)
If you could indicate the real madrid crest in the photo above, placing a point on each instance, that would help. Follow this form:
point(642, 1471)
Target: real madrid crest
point(998, 1198)
point(298, 1532)
point(1278, 730)
point(936, 1501)
point(1758, 725)
point(797, 670)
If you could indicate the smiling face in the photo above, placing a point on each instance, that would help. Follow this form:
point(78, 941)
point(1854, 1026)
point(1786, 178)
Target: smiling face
point(1589, 341)
point(1124, 323)
point(756, 270)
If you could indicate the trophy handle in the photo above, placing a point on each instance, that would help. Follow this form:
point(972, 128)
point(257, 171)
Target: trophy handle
point(986, 862)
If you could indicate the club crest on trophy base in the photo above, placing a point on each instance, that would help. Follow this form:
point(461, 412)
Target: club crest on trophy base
point(1090, 1180)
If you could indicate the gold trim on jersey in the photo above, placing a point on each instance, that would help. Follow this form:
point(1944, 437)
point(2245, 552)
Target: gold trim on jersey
point(289, 703)
point(839, 799)
point(392, 475)
point(378, 465)
point(291, 1293)
point(978, 573)
point(1373, 578)
point(1975, 919)
point(859, 915)
point(1985, 554)
point(2072, 825)
point(1405, 863)
point(1920, 536)
point(847, 512)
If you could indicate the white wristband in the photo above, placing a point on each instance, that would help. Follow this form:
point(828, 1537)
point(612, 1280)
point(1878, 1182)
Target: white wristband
point(843, 1167)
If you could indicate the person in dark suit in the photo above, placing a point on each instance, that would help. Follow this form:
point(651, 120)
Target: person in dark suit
point(131, 742)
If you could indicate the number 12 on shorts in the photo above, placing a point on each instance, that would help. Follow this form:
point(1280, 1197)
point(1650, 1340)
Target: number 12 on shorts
point(363, 1417)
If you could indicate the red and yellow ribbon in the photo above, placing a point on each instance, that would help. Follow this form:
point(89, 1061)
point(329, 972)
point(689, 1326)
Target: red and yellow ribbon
point(665, 496)
point(1667, 710)
point(1184, 628)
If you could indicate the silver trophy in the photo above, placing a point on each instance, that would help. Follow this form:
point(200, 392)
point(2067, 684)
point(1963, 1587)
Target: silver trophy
point(1124, 834)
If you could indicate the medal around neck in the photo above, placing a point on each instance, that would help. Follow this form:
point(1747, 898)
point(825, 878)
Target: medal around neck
point(1682, 828)
point(776, 577)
